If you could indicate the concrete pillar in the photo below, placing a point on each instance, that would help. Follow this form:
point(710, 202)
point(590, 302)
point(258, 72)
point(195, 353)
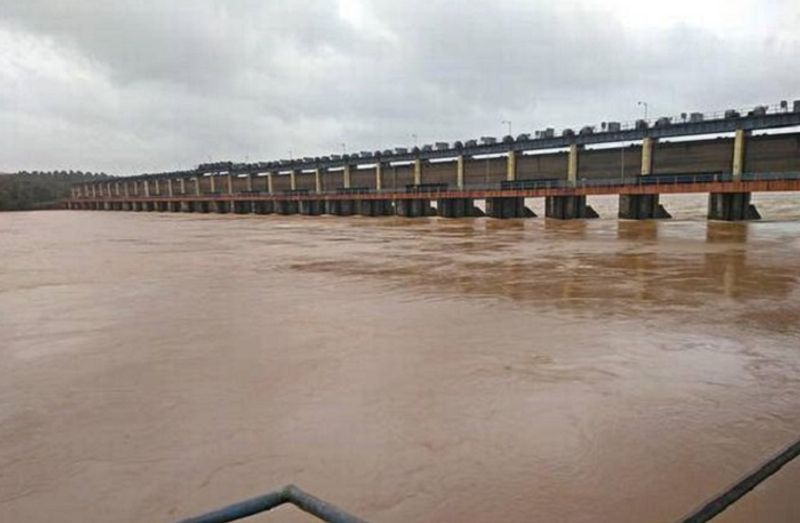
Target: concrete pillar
point(511, 166)
point(293, 180)
point(731, 207)
point(647, 155)
point(641, 207)
point(504, 208)
point(230, 183)
point(126, 189)
point(249, 182)
point(108, 189)
point(212, 180)
point(170, 188)
point(457, 208)
point(572, 164)
point(418, 171)
point(182, 185)
point(460, 171)
point(346, 175)
point(157, 187)
point(269, 183)
point(146, 188)
point(568, 208)
point(739, 149)
point(94, 190)
point(415, 208)
point(318, 180)
point(116, 188)
point(196, 185)
point(379, 176)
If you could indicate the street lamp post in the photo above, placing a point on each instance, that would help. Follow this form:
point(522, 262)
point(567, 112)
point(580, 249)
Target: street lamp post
point(640, 104)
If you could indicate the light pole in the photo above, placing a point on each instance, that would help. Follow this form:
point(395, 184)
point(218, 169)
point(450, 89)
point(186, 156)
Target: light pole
point(508, 123)
point(645, 108)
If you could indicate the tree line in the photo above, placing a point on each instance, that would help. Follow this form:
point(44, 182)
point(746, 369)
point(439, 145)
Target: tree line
point(26, 190)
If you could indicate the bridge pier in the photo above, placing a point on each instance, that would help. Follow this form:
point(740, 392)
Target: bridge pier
point(374, 207)
point(310, 207)
point(218, 207)
point(503, 208)
point(458, 208)
point(264, 207)
point(641, 207)
point(568, 208)
point(733, 206)
point(240, 207)
point(286, 207)
point(414, 208)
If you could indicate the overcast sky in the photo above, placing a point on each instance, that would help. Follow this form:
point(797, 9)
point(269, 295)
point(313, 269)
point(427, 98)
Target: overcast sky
point(132, 86)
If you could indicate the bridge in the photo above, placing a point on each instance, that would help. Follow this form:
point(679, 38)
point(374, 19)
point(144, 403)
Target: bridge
point(638, 162)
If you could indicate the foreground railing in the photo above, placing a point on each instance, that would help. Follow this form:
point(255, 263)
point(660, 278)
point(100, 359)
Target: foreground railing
point(332, 514)
point(288, 494)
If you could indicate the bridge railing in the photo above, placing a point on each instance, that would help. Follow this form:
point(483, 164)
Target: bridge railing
point(433, 190)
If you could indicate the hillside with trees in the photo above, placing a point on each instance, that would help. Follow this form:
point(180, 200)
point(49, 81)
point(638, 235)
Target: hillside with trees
point(40, 190)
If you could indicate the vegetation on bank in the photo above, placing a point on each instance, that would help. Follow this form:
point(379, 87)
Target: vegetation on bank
point(40, 190)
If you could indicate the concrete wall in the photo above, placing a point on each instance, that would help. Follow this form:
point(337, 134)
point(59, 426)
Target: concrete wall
point(305, 181)
point(442, 172)
point(281, 182)
point(363, 178)
point(607, 163)
point(691, 157)
point(483, 171)
point(333, 179)
point(542, 166)
point(773, 153)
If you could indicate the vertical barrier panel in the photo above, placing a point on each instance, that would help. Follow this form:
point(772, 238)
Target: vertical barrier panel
point(511, 166)
point(647, 156)
point(739, 147)
point(346, 177)
point(572, 164)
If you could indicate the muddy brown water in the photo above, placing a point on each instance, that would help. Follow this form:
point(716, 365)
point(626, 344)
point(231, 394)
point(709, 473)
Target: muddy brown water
point(154, 366)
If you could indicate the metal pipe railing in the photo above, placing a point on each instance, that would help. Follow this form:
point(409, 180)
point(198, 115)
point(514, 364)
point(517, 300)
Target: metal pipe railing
point(288, 494)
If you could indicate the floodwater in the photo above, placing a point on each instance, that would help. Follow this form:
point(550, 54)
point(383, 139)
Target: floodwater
point(155, 366)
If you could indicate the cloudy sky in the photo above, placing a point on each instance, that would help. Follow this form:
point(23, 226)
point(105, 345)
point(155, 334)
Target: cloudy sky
point(131, 86)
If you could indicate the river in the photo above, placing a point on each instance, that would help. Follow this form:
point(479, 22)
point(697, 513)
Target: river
point(155, 366)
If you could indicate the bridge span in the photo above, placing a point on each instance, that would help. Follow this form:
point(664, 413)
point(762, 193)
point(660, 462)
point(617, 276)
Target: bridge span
point(637, 162)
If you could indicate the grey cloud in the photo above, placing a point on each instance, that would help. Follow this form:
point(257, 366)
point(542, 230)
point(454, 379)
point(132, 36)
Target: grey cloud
point(156, 85)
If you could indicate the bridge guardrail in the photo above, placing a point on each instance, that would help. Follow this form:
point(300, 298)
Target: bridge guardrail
point(435, 189)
